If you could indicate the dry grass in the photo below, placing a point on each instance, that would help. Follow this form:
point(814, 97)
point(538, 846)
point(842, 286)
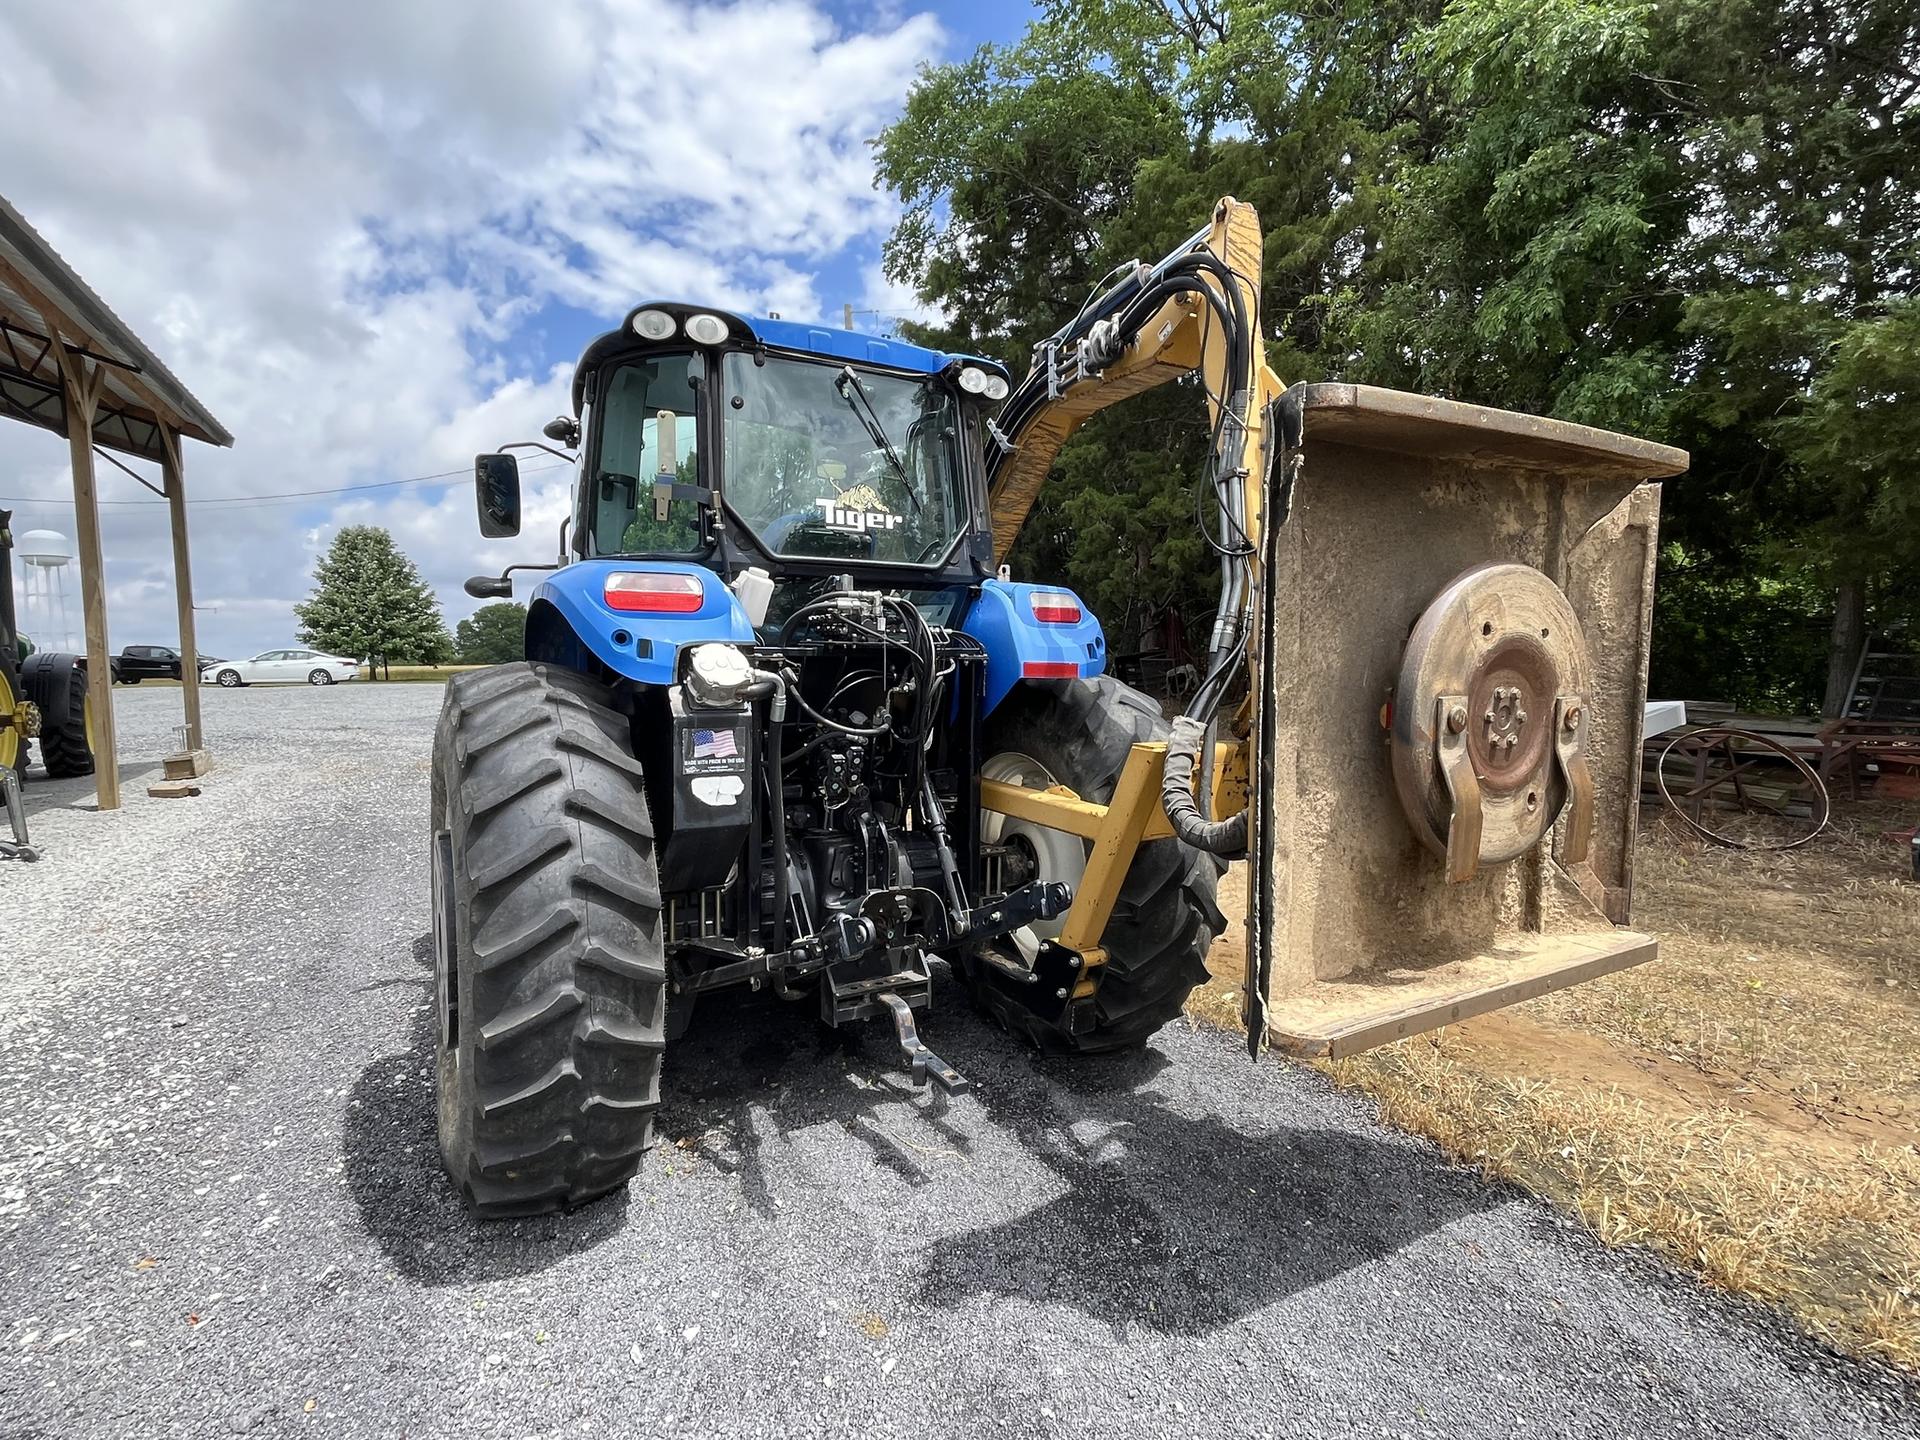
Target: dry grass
point(1747, 1105)
point(417, 674)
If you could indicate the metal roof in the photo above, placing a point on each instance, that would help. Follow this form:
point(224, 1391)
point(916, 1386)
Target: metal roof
point(41, 296)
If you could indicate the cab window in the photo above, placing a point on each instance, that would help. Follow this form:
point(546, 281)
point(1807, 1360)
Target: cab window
point(649, 414)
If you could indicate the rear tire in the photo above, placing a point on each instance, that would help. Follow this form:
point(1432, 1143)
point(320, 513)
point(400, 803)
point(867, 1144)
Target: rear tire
point(1167, 915)
point(65, 748)
point(549, 957)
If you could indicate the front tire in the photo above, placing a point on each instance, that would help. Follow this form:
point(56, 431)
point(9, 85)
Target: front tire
point(319, 677)
point(550, 965)
point(1079, 732)
point(228, 679)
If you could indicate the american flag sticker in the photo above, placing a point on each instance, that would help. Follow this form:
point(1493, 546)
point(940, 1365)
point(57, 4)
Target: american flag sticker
point(715, 745)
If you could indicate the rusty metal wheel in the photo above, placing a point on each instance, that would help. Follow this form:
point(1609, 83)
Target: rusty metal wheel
point(1483, 671)
point(1726, 760)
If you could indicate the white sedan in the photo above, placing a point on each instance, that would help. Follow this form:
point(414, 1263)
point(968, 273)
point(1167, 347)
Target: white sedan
point(281, 667)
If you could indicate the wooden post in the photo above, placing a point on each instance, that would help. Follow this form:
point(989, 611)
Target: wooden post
point(84, 381)
point(174, 480)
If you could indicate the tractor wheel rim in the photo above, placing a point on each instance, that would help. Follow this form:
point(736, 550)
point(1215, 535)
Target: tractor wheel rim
point(9, 725)
point(1059, 858)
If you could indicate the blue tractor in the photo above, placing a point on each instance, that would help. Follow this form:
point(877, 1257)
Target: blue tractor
point(786, 721)
point(762, 695)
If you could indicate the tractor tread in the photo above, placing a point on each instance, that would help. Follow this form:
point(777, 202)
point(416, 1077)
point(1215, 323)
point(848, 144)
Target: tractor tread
point(629, 964)
point(512, 726)
point(562, 1000)
point(598, 747)
point(538, 848)
point(64, 751)
point(551, 1081)
point(621, 890)
point(521, 942)
point(607, 1030)
point(592, 807)
point(483, 805)
point(560, 1074)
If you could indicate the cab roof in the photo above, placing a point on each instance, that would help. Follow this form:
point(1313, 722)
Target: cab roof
point(824, 341)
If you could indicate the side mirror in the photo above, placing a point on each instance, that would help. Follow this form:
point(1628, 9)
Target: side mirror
point(496, 492)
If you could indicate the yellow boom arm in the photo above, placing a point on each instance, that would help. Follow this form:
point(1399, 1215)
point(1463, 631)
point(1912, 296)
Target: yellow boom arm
point(1196, 312)
point(1183, 335)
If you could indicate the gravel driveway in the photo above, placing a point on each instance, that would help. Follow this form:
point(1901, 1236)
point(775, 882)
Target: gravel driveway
point(221, 1209)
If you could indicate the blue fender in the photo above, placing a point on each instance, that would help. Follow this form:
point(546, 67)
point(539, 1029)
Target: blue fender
point(642, 645)
point(1020, 647)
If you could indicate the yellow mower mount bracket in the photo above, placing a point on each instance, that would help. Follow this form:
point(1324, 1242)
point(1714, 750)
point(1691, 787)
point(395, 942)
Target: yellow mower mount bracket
point(1114, 832)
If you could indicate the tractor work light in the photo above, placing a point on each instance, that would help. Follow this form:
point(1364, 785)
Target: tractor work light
point(973, 380)
point(1053, 607)
point(996, 387)
point(653, 325)
point(707, 330)
point(654, 592)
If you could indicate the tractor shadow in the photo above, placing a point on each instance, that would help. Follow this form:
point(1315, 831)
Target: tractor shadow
point(1112, 1185)
point(391, 1152)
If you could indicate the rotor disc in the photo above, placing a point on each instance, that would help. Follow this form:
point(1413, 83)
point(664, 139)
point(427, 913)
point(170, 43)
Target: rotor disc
point(1501, 644)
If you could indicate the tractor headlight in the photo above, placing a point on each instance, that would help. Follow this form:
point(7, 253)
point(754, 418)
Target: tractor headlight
point(973, 379)
point(996, 387)
point(653, 325)
point(707, 330)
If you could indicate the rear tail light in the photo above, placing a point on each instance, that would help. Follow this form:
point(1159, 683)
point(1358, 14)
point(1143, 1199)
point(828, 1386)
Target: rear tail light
point(1050, 670)
point(657, 592)
point(1054, 607)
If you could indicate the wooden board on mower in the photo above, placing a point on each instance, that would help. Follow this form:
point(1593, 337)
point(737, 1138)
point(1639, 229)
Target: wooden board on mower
point(1332, 1018)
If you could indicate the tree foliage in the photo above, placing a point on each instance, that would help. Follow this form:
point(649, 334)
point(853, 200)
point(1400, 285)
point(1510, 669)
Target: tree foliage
point(1697, 221)
point(494, 634)
point(369, 600)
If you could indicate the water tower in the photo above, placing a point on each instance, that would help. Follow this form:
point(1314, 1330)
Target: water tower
point(46, 558)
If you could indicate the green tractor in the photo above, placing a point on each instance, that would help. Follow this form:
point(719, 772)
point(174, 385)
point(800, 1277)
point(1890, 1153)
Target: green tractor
point(43, 697)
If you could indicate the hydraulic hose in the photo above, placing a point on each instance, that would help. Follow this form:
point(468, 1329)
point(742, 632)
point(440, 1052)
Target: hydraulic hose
point(1217, 837)
point(1105, 326)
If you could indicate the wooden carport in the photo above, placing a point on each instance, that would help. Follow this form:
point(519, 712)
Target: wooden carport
point(70, 365)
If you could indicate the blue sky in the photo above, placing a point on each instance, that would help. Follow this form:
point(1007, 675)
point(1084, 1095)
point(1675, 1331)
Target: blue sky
point(373, 238)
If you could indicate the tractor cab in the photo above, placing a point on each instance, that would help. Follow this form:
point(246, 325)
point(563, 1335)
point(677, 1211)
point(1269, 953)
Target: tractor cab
point(796, 451)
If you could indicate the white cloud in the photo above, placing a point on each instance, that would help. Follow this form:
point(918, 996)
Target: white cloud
point(328, 221)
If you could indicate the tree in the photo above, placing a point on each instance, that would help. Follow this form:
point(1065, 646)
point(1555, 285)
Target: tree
point(494, 634)
point(1029, 173)
point(369, 600)
point(1696, 221)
